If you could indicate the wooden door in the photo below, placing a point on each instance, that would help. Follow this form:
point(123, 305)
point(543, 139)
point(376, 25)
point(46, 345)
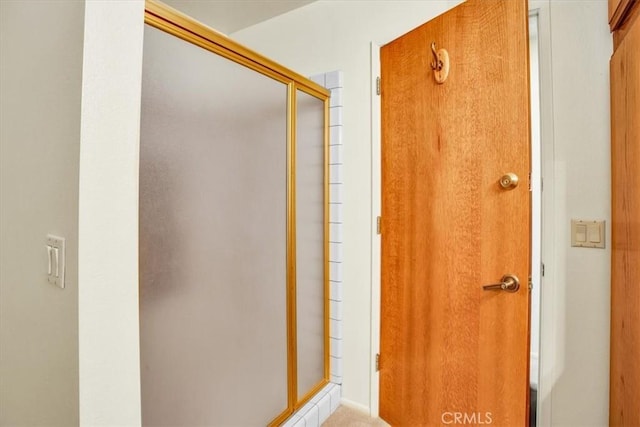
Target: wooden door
point(624, 405)
point(451, 352)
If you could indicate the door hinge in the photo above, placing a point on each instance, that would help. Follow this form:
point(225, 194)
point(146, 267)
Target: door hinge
point(541, 184)
point(379, 225)
point(542, 269)
point(378, 85)
point(377, 362)
point(529, 181)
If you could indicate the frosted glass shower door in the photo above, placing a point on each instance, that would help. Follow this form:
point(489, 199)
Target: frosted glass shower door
point(213, 239)
point(310, 243)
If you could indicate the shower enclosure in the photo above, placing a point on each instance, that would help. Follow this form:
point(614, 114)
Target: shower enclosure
point(233, 230)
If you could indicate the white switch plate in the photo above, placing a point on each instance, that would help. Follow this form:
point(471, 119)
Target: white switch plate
point(55, 260)
point(587, 234)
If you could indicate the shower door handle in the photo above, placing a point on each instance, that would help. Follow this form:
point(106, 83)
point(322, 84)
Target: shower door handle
point(509, 283)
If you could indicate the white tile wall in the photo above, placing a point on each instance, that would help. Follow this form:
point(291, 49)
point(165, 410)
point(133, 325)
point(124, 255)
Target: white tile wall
point(335, 231)
point(335, 272)
point(335, 214)
point(335, 191)
point(334, 82)
point(336, 345)
point(324, 408)
point(318, 409)
point(336, 310)
point(335, 174)
point(336, 368)
point(335, 332)
point(336, 291)
point(335, 135)
point(323, 404)
point(335, 394)
point(294, 420)
point(335, 252)
point(312, 416)
point(335, 155)
point(335, 115)
point(336, 98)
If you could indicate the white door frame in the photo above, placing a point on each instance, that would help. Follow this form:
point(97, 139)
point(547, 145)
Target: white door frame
point(376, 241)
point(547, 309)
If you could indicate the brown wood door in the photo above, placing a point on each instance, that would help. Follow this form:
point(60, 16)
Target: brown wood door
point(451, 352)
point(624, 409)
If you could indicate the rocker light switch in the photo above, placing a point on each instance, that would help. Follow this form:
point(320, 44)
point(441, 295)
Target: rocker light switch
point(587, 234)
point(593, 230)
point(55, 260)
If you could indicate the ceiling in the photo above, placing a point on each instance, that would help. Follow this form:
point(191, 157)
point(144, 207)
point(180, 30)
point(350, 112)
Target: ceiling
point(228, 16)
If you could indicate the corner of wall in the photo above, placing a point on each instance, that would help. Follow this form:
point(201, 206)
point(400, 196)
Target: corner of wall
point(109, 356)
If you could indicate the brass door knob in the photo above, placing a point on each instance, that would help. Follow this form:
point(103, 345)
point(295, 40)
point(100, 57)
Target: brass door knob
point(509, 283)
point(509, 181)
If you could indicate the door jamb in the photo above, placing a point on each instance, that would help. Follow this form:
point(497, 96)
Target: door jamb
point(376, 241)
point(547, 309)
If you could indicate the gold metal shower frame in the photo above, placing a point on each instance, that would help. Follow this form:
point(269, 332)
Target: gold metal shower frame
point(171, 21)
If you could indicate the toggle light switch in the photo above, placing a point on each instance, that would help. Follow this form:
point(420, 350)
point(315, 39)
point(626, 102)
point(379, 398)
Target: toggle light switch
point(587, 234)
point(55, 260)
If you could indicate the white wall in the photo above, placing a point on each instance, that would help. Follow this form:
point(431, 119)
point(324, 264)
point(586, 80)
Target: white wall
point(109, 361)
point(578, 288)
point(335, 35)
point(41, 78)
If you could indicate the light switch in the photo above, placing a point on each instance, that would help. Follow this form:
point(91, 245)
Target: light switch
point(594, 233)
point(587, 234)
point(55, 260)
point(49, 259)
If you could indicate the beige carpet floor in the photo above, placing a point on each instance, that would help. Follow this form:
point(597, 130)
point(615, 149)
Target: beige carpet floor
point(348, 417)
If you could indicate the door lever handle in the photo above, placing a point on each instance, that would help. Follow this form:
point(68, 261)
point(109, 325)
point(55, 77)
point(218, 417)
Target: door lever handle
point(509, 283)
